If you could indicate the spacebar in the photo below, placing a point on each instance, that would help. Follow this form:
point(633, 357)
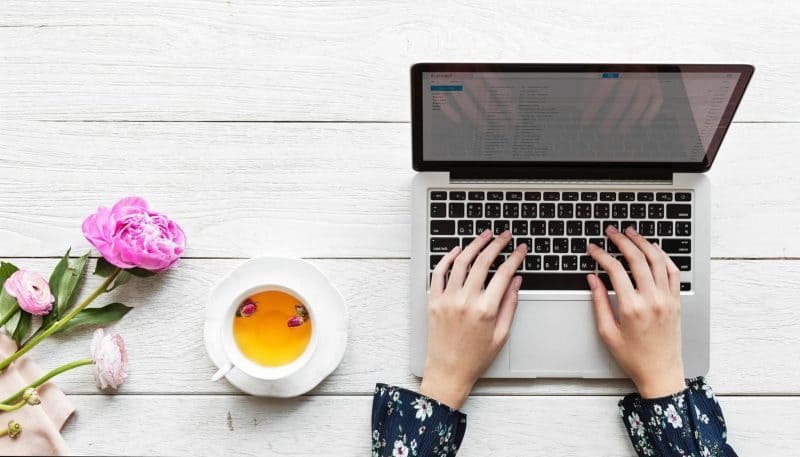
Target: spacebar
point(551, 281)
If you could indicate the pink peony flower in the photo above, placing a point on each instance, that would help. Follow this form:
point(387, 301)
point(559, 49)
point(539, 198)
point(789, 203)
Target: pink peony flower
point(110, 359)
point(31, 291)
point(295, 321)
point(129, 235)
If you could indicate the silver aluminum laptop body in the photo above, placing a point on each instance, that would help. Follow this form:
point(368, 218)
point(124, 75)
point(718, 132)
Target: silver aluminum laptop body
point(554, 332)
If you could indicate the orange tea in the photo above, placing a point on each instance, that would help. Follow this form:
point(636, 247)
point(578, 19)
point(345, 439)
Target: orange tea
point(272, 328)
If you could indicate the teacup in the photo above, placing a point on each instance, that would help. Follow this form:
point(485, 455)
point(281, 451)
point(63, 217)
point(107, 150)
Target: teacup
point(235, 355)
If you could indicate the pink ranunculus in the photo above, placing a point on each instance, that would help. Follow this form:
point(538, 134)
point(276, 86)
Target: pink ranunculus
point(31, 291)
point(110, 359)
point(129, 235)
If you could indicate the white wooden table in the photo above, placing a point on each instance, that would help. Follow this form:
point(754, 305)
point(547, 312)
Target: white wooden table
point(281, 128)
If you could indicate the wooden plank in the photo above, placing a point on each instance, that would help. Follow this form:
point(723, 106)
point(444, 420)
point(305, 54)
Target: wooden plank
point(349, 60)
point(497, 426)
point(754, 336)
point(319, 190)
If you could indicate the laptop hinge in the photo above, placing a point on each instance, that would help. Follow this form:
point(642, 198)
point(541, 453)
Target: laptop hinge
point(562, 173)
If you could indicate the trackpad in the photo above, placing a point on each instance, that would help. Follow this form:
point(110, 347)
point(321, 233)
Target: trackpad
point(553, 338)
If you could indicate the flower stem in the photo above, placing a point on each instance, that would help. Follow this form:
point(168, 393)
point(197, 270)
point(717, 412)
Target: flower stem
point(60, 323)
point(47, 377)
point(14, 407)
point(14, 428)
point(9, 314)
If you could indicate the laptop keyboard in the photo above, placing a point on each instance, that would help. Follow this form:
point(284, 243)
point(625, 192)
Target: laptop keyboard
point(557, 227)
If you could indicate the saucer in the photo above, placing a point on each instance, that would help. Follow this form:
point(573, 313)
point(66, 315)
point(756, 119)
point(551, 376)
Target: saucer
point(330, 321)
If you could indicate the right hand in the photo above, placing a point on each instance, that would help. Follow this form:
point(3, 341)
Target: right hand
point(646, 339)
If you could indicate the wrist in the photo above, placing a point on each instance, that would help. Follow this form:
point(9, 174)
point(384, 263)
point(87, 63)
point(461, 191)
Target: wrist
point(445, 390)
point(663, 386)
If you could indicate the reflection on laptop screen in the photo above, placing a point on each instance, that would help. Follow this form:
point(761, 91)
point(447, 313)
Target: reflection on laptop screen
point(557, 117)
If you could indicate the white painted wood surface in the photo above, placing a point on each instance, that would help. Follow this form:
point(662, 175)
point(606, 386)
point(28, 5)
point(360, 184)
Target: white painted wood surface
point(176, 94)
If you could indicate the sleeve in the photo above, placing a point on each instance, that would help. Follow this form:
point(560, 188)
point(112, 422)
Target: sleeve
point(688, 423)
point(405, 423)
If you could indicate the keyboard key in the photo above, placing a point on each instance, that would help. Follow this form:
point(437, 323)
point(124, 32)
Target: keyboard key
point(599, 242)
point(476, 195)
point(676, 246)
point(435, 260)
point(565, 210)
point(519, 227)
point(555, 228)
point(533, 262)
point(438, 195)
point(686, 286)
point(612, 248)
point(465, 227)
point(645, 196)
point(654, 241)
point(529, 210)
point(533, 196)
point(683, 263)
point(664, 228)
point(607, 281)
point(578, 245)
point(583, 210)
point(608, 196)
point(474, 210)
point(624, 262)
point(592, 228)
point(627, 196)
point(443, 227)
point(588, 196)
point(552, 196)
point(655, 211)
point(677, 211)
point(547, 210)
point(514, 196)
point(663, 196)
point(619, 210)
point(625, 224)
point(456, 210)
point(438, 210)
point(482, 226)
point(551, 281)
point(538, 228)
point(497, 262)
point(528, 242)
point(638, 211)
point(607, 223)
point(647, 228)
point(683, 197)
point(509, 247)
point(574, 228)
point(541, 245)
point(511, 210)
point(551, 262)
point(466, 241)
point(601, 210)
point(683, 228)
point(561, 245)
point(569, 196)
point(494, 195)
point(492, 210)
point(501, 226)
point(443, 244)
point(569, 263)
point(587, 263)
point(458, 195)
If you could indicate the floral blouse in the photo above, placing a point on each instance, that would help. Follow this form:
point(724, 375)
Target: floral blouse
point(688, 423)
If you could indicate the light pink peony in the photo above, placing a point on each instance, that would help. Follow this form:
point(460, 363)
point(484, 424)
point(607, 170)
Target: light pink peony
point(31, 291)
point(129, 235)
point(110, 359)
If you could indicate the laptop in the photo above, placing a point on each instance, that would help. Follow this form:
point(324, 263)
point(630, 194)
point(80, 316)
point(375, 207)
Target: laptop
point(555, 153)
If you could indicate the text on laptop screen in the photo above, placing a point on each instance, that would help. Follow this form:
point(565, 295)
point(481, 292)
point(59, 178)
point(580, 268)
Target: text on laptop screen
point(582, 116)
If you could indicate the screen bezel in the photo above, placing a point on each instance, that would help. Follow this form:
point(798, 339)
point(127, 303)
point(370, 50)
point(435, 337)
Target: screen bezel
point(573, 168)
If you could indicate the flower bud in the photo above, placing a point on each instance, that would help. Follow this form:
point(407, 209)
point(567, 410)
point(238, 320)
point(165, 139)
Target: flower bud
point(14, 429)
point(295, 321)
point(31, 397)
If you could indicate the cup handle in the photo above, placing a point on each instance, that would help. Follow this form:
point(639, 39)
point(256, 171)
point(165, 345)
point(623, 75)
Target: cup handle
point(222, 372)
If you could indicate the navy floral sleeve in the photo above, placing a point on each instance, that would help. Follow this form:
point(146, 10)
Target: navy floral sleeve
point(688, 423)
point(405, 423)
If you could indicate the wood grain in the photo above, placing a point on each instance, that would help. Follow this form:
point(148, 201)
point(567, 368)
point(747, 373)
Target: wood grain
point(754, 336)
point(313, 190)
point(349, 60)
point(497, 426)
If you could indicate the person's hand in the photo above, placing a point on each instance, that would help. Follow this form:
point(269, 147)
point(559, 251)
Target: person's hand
point(646, 340)
point(467, 325)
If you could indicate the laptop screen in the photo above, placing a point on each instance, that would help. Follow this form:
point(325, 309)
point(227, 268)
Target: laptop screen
point(627, 114)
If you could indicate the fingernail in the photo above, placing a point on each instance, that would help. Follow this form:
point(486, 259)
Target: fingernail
point(522, 247)
point(456, 249)
point(506, 234)
point(612, 229)
point(630, 231)
point(486, 233)
point(591, 246)
point(517, 282)
point(592, 281)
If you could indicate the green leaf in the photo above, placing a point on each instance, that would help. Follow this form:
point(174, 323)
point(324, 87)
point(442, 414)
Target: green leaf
point(97, 316)
point(6, 301)
point(22, 327)
point(141, 272)
point(103, 268)
point(6, 270)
